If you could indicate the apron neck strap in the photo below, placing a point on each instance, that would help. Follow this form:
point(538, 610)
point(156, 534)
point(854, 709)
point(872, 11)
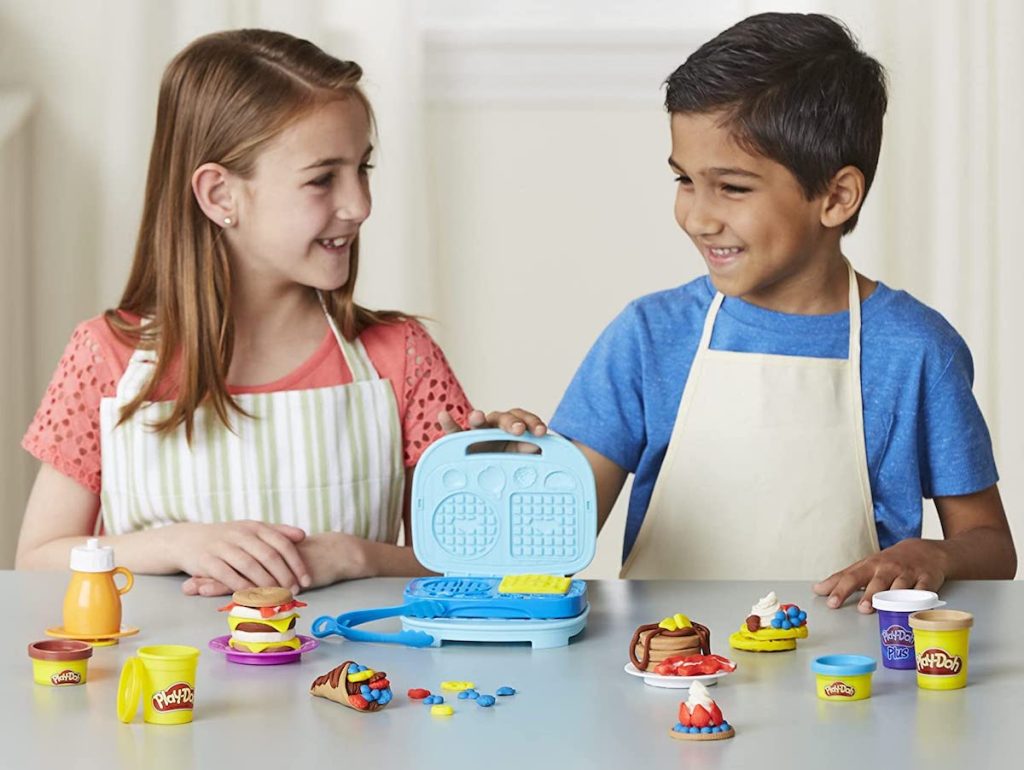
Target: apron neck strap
point(854, 302)
point(356, 358)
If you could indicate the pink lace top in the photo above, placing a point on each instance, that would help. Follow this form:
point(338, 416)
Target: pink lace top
point(65, 431)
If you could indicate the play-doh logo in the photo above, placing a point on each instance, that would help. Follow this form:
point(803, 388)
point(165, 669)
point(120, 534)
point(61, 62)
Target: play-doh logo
point(840, 689)
point(179, 695)
point(937, 662)
point(898, 636)
point(67, 676)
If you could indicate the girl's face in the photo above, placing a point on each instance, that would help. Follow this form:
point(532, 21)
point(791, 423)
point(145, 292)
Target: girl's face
point(301, 210)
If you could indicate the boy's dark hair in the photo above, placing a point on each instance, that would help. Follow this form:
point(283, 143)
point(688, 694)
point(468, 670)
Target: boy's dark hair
point(794, 88)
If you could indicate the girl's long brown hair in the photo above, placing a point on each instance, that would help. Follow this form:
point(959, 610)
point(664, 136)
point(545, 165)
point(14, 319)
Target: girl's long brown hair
point(222, 99)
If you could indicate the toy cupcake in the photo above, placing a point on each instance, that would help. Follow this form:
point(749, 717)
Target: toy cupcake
point(700, 718)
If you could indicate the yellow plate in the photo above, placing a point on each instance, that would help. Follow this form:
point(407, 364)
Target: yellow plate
point(739, 641)
point(104, 640)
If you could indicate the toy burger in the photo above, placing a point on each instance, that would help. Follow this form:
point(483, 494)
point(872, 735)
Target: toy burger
point(262, 620)
point(770, 627)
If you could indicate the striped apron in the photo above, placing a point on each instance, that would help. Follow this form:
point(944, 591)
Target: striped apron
point(323, 459)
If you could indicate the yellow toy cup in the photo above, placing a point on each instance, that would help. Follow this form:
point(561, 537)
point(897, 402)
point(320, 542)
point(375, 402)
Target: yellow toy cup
point(842, 678)
point(940, 647)
point(164, 677)
point(59, 662)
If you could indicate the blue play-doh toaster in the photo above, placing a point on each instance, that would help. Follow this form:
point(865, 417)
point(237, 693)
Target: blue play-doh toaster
point(503, 527)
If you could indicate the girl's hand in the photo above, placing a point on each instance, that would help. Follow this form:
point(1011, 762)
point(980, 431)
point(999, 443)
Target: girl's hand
point(330, 556)
point(514, 421)
point(241, 554)
point(912, 563)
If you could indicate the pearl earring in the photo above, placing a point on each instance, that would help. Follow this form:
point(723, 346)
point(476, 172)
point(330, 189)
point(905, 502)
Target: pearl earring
point(227, 220)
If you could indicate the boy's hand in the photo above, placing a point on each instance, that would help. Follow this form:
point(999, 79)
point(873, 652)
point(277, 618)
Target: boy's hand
point(241, 554)
point(912, 563)
point(514, 421)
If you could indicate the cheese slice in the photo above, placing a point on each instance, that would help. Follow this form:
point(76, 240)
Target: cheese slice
point(278, 624)
point(261, 646)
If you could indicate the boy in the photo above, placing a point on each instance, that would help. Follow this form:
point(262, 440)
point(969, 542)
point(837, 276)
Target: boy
point(785, 416)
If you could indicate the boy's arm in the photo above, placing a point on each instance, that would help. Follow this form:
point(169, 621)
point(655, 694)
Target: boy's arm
point(977, 544)
point(608, 477)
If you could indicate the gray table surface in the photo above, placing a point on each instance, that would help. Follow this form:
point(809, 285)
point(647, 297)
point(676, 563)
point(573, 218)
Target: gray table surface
point(575, 707)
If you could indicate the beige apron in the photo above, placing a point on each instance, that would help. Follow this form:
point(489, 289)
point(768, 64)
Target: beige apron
point(765, 475)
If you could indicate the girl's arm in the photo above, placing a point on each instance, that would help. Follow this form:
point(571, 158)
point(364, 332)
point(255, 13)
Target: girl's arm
point(977, 544)
point(61, 513)
point(336, 556)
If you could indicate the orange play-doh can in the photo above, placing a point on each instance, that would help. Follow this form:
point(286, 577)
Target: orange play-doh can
point(59, 662)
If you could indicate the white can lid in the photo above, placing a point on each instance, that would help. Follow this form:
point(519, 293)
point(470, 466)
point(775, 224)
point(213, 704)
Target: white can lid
point(906, 600)
point(92, 557)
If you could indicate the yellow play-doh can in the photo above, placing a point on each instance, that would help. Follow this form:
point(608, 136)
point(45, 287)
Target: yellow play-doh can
point(59, 662)
point(163, 676)
point(941, 639)
point(842, 678)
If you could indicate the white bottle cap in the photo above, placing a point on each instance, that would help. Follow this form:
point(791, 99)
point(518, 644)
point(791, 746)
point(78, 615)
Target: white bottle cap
point(92, 557)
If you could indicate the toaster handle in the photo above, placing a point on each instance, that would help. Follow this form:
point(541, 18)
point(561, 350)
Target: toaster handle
point(342, 625)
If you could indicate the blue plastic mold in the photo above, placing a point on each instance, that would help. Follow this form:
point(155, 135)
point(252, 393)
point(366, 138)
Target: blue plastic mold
point(504, 513)
point(477, 517)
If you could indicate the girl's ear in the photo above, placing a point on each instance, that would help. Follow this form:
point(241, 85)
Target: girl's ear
point(844, 196)
point(211, 184)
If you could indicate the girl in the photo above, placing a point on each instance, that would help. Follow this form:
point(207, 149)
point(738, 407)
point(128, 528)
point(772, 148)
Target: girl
point(238, 416)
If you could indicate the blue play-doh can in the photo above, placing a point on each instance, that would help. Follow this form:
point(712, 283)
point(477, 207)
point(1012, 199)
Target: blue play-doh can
point(843, 677)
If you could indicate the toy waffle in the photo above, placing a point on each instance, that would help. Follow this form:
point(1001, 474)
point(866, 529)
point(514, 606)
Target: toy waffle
point(504, 529)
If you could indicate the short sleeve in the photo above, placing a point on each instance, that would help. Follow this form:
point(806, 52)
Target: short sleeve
point(65, 431)
point(603, 405)
point(428, 387)
point(955, 445)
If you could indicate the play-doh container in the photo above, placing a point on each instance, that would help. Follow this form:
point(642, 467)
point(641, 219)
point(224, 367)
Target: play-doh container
point(894, 608)
point(163, 676)
point(843, 677)
point(941, 640)
point(59, 662)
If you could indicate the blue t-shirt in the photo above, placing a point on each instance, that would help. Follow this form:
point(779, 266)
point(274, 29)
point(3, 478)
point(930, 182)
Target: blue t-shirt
point(925, 434)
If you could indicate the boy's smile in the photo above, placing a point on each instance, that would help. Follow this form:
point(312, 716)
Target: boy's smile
point(759, 235)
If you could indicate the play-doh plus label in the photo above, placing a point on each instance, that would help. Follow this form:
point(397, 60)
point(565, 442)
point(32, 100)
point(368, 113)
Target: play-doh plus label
point(898, 643)
point(179, 696)
point(937, 662)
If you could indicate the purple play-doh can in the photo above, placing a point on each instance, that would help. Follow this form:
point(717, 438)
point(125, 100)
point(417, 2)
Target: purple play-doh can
point(897, 637)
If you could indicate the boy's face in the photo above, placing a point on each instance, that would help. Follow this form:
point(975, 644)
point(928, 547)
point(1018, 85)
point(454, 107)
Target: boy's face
point(761, 238)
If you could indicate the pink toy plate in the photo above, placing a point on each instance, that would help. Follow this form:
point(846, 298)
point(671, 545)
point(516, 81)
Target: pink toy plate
point(220, 644)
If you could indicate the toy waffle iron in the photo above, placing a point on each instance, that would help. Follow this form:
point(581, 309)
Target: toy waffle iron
point(503, 529)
